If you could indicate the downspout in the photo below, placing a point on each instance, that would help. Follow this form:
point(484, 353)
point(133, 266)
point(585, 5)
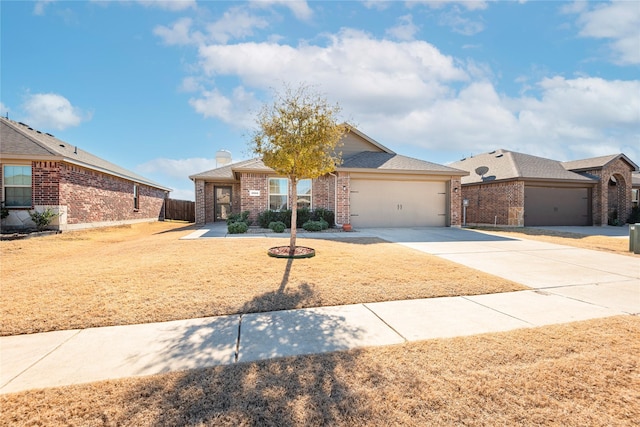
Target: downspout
point(335, 201)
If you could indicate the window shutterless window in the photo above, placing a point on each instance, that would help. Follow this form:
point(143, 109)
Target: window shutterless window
point(136, 198)
point(304, 194)
point(278, 194)
point(16, 180)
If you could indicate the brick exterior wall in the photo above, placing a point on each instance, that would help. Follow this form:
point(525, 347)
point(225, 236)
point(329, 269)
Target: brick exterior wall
point(254, 204)
point(607, 198)
point(87, 198)
point(501, 203)
point(209, 212)
point(94, 197)
point(455, 202)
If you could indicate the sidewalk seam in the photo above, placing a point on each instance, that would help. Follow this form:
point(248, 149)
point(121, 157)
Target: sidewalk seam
point(237, 353)
point(384, 321)
point(41, 359)
point(498, 311)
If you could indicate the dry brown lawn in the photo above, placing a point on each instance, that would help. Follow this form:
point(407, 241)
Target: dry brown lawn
point(598, 243)
point(579, 374)
point(144, 273)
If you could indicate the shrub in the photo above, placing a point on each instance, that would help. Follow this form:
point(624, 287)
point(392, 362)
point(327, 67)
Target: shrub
point(324, 214)
point(237, 228)
point(304, 215)
point(312, 225)
point(42, 219)
point(4, 212)
point(239, 217)
point(277, 226)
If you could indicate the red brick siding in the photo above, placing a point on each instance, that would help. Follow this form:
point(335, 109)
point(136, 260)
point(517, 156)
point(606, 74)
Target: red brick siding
point(209, 213)
point(254, 204)
point(93, 196)
point(455, 202)
point(501, 202)
point(45, 183)
point(602, 206)
point(343, 210)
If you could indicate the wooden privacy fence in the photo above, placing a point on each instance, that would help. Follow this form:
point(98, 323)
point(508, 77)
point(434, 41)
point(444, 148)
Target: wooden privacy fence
point(181, 210)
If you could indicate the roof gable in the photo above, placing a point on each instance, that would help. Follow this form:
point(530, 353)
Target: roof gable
point(504, 165)
point(355, 142)
point(596, 163)
point(25, 142)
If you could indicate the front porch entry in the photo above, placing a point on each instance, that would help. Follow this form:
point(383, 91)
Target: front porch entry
point(222, 202)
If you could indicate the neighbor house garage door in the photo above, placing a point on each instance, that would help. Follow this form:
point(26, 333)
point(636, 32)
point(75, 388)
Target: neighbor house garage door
point(377, 203)
point(556, 206)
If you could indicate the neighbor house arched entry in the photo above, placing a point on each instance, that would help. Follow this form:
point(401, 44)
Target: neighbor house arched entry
point(617, 200)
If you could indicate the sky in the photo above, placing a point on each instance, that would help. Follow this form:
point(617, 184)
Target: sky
point(158, 87)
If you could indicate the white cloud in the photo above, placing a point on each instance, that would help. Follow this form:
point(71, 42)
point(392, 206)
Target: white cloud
point(171, 5)
point(438, 4)
point(235, 109)
point(299, 8)
point(405, 30)
point(619, 22)
point(236, 23)
point(40, 6)
point(460, 24)
point(4, 109)
point(179, 33)
point(176, 168)
point(358, 70)
point(52, 110)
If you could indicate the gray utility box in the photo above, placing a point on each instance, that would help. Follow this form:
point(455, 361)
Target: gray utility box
point(634, 238)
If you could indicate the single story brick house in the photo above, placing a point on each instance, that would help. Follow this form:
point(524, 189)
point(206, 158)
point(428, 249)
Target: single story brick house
point(374, 187)
point(515, 189)
point(40, 171)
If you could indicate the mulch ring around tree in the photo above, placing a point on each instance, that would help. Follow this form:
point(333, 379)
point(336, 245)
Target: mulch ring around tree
point(285, 252)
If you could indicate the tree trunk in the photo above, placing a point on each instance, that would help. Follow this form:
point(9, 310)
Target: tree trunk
point(294, 214)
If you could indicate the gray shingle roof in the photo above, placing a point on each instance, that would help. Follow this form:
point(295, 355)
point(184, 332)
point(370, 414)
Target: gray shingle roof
point(227, 172)
point(395, 162)
point(21, 141)
point(504, 165)
point(596, 162)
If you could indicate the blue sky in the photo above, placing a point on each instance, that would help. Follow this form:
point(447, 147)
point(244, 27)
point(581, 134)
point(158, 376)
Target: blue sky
point(159, 86)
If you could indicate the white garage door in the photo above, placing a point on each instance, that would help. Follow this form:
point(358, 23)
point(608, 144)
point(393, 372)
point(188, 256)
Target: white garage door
point(376, 203)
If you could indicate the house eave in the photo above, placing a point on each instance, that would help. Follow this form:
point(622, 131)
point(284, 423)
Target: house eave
point(404, 171)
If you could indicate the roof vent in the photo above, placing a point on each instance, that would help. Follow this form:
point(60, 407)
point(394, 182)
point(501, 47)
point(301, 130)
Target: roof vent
point(47, 133)
point(499, 155)
point(62, 145)
point(492, 152)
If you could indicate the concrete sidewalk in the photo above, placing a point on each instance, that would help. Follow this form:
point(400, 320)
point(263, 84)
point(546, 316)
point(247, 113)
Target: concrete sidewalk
point(569, 285)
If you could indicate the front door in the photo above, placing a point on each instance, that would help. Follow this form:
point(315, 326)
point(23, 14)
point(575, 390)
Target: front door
point(222, 203)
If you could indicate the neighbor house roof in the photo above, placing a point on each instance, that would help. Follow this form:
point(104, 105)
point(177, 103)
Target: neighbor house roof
point(22, 142)
point(596, 162)
point(507, 165)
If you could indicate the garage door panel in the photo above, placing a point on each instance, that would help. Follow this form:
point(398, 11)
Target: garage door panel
point(544, 206)
point(376, 203)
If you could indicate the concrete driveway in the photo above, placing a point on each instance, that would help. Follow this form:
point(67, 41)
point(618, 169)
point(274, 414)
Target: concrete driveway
point(596, 277)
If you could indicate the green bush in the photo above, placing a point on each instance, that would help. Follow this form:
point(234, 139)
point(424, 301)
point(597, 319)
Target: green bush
point(304, 215)
point(239, 217)
point(324, 214)
point(4, 212)
point(313, 225)
point(277, 226)
point(237, 228)
point(42, 219)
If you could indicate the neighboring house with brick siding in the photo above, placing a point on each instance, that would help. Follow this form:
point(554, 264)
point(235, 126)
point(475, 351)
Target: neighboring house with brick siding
point(373, 187)
point(40, 171)
point(515, 189)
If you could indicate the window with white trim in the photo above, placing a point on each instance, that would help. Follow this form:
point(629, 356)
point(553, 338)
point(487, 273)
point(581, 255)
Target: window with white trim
point(635, 193)
point(16, 180)
point(304, 194)
point(278, 194)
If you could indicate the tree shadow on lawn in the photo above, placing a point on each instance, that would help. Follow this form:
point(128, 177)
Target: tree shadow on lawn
point(282, 391)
